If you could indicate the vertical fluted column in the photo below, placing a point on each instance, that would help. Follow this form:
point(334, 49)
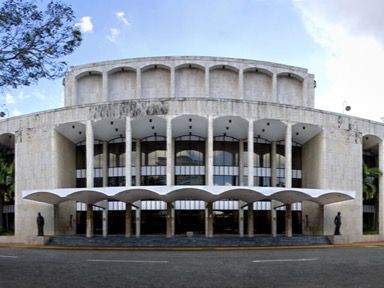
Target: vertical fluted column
point(89, 223)
point(138, 219)
point(241, 218)
point(172, 83)
point(169, 152)
point(170, 221)
point(288, 156)
point(288, 220)
point(250, 154)
point(207, 88)
point(304, 86)
point(138, 183)
point(128, 220)
point(209, 220)
point(251, 224)
point(138, 162)
point(241, 182)
point(274, 88)
point(74, 92)
point(105, 164)
point(288, 177)
point(381, 189)
point(209, 152)
point(138, 83)
point(89, 142)
point(105, 218)
point(241, 162)
point(128, 152)
point(241, 84)
point(104, 93)
point(273, 184)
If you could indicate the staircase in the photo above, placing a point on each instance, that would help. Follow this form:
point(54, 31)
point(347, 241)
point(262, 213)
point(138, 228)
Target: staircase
point(183, 241)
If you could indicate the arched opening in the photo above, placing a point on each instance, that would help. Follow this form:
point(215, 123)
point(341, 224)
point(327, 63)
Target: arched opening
point(7, 184)
point(189, 81)
point(122, 84)
point(155, 82)
point(370, 189)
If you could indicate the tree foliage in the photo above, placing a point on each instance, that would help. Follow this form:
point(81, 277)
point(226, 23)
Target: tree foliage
point(32, 40)
point(370, 176)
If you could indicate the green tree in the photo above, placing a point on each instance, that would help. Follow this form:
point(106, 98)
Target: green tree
point(32, 40)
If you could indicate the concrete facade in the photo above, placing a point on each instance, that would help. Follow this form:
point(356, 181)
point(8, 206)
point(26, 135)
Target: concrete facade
point(208, 97)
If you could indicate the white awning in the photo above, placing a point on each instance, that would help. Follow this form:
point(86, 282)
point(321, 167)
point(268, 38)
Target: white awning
point(173, 193)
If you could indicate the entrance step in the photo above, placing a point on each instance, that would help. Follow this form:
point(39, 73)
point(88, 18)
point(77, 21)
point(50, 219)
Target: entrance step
point(184, 241)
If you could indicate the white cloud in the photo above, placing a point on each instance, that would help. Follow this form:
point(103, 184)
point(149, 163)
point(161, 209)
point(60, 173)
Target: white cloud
point(348, 31)
point(113, 35)
point(9, 99)
point(121, 17)
point(85, 24)
point(16, 112)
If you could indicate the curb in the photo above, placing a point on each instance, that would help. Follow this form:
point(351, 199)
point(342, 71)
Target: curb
point(206, 248)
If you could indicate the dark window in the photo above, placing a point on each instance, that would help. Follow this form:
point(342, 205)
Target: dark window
point(225, 153)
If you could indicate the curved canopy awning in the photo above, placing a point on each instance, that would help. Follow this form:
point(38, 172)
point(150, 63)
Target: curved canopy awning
point(172, 193)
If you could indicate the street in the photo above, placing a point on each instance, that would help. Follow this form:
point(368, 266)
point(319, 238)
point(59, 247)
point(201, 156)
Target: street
point(324, 267)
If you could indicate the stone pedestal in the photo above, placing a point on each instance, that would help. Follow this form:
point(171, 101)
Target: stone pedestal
point(339, 239)
point(38, 240)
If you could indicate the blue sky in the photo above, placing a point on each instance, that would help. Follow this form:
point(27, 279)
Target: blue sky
point(340, 41)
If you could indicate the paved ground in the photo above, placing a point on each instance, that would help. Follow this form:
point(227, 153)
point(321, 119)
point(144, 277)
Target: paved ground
point(325, 267)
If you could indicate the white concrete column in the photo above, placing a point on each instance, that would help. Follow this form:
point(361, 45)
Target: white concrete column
point(104, 93)
point(172, 83)
point(138, 162)
point(128, 220)
point(209, 153)
point(105, 220)
point(89, 143)
point(89, 223)
point(288, 177)
point(74, 92)
point(138, 218)
point(381, 190)
point(170, 220)
point(273, 164)
point(241, 84)
point(241, 162)
point(274, 87)
point(321, 207)
point(90, 173)
point(207, 76)
point(138, 83)
point(305, 90)
point(241, 218)
point(273, 184)
point(288, 220)
point(128, 152)
point(105, 164)
point(288, 156)
point(251, 225)
point(170, 163)
point(209, 220)
point(250, 154)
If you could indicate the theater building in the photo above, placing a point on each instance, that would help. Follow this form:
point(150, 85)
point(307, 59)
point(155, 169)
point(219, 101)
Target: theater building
point(199, 145)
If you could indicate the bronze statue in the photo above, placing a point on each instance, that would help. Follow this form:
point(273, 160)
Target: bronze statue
point(40, 224)
point(337, 223)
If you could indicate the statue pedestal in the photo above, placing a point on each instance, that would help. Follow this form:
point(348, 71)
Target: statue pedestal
point(339, 239)
point(38, 240)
